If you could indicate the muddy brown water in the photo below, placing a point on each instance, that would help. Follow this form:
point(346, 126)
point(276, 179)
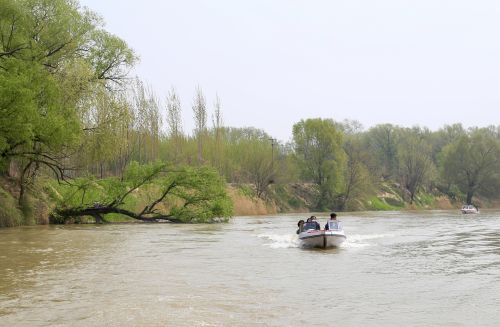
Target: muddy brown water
point(435, 268)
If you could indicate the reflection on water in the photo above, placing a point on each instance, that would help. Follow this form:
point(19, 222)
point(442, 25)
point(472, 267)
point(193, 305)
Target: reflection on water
point(395, 269)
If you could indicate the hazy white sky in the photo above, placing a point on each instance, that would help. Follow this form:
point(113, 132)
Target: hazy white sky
point(274, 62)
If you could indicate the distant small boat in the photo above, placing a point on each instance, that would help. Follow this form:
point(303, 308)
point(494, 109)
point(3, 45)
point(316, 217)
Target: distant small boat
point(469, 208)
point(310, 237)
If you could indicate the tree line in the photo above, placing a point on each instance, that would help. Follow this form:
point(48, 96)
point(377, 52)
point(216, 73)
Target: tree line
point(460, 163)
point(69, 108)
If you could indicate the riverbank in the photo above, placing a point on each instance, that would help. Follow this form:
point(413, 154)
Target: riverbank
point(302, 197)
point(33, 210)
point(289, 198)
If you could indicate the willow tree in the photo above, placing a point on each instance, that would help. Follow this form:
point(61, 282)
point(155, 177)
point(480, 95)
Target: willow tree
point(472, 163)
point(415, 165)
point(382, 141)
point(257, 165)
point(53, 53)
point(318, 147)
point(106, 122)
point(357, 182)
point(180, 195)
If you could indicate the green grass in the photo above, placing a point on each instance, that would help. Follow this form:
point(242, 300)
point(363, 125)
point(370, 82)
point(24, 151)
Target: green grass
point(246, 190)
point(285, 198)
point(397, 203)
point(10, 215)
point(378, 204)
point(28, 209)
point(425, 199)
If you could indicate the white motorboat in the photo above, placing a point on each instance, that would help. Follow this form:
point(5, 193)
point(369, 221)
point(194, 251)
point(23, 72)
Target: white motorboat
point(469, 208)
point(311, 237)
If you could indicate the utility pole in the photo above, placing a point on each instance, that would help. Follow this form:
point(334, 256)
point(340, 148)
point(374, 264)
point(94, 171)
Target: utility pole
point(273, 142)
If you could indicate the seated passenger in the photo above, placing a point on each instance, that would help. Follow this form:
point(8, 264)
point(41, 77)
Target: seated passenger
point(300, 224)
point(333, 217)
point(313, 219)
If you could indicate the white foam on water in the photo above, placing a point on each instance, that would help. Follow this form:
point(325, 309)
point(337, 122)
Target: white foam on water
point(278, 241)
point(284, 241)
point(360, 241)
point(358, 237)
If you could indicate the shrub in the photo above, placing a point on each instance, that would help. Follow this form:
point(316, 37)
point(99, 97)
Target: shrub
point(10, 215)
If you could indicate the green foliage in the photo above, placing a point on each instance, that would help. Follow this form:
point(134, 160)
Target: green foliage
point(191, 195)
point(203, 196)
point(414, 158)
point(394, 202)
point(472, 163)
point(27, 207)
point(318, 147)
point(380, 204)
point(86, 192)
point(358, 182)
point(285, 197)
point(382, 141)
point(425, 199)
point(246, 190)
point(63, 104)
point(9, 214)
point(53, 57)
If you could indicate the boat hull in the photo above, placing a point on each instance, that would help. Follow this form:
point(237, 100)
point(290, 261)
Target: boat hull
point(469, 209)
point(334, 239)
point(321, 239)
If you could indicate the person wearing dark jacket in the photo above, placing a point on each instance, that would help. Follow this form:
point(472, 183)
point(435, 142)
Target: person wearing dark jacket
point(300, 224)
point(313, 219)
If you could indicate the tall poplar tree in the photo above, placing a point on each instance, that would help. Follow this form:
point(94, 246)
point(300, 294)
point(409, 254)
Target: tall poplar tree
point(218, 127)
point(200, 121)
point(174, 122)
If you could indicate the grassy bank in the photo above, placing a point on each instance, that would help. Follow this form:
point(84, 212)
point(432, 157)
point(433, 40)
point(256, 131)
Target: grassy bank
point(33, 210)
point(295, 197)
point(303, 197)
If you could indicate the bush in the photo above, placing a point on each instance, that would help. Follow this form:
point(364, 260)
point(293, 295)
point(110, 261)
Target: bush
point(10, 215)
point(425, 199)
point(27, 208)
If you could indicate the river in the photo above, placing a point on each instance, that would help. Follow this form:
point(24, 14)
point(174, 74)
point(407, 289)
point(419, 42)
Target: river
point(435, 268)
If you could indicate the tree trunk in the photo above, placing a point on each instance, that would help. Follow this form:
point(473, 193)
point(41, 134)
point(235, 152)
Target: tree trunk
point(23, 183)
point(200, 150)
point(470, 194)
point(99, 211)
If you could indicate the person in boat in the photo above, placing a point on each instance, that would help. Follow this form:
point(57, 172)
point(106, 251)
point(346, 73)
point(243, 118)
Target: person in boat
point(300, 224)
point(313, 219)
point(333, 217)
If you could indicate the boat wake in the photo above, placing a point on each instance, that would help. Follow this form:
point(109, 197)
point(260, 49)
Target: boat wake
point(361, 241)
point(285, 241)
point(278, 241)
